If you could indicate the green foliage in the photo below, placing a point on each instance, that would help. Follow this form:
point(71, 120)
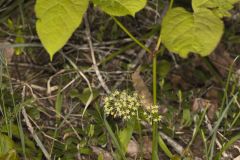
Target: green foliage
point(163, 68)
point(7, 151)
point(184, 32)
point(6, 144)
point(16, 135)
point(58, 105)
point(125, 134)
point(227, 145)
point(100, 156)
point(11, 155)
point(84, 96)
point(17, 29)
point(186, 117)
point(219, 7)
point(120, 7)
point(198, 32)
point(57, 20)
point(116, 142)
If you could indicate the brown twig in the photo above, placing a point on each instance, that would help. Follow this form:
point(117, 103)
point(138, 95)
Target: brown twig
point(95, 67)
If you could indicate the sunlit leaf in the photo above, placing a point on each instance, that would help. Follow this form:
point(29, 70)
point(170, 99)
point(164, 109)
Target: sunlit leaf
point(57, 20)
point(184, 32)
point(219, 7)
point(120, 7)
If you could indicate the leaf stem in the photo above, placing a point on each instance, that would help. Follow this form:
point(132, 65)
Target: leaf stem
point(155, 124)
point(130, 35)
point(156, 137)
point(171, 4)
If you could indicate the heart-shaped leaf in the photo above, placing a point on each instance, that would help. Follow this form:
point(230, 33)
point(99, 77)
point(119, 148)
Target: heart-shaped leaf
point(219, 7)
point(184, 32)
point(57, 20)
point(120, 7)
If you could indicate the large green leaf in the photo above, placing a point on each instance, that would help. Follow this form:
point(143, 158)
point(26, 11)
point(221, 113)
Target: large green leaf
point(120, 7)
point(219, 7)
point(57, 20)
point(184, 32)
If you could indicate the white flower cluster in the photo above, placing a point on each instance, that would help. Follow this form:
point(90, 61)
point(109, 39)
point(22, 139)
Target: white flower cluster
point(126, 105)
point(152, 114)
point(122, 104)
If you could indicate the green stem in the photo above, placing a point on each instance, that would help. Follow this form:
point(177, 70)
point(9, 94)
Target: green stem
point(155, 124)
point(140, 135)
point(171, 4)
point(197, 128)
point(132, 44)
point(130, 35)
point(156, 137)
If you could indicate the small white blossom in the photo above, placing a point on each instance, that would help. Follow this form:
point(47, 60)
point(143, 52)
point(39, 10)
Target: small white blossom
point(122, 104)
point(152, 115)
point(126, 105)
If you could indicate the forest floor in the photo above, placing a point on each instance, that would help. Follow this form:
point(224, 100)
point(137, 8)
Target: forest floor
point(42, 102)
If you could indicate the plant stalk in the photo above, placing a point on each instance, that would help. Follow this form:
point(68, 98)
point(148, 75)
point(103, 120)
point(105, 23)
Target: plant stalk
point(155, 124)
point(130, 35)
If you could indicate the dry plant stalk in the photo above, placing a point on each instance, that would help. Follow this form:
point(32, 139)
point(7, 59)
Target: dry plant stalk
point(142, 90)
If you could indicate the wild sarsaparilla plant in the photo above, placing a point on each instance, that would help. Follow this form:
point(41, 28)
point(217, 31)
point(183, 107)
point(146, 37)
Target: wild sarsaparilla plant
point(127, 106)
point(182, 32)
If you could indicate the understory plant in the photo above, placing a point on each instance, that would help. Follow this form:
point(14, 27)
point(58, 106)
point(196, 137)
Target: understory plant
point(182, 32)
point(127, 106)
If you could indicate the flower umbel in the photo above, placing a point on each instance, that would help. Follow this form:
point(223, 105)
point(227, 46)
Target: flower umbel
point(152, 115)
point(127, 105)
point(122, 104)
